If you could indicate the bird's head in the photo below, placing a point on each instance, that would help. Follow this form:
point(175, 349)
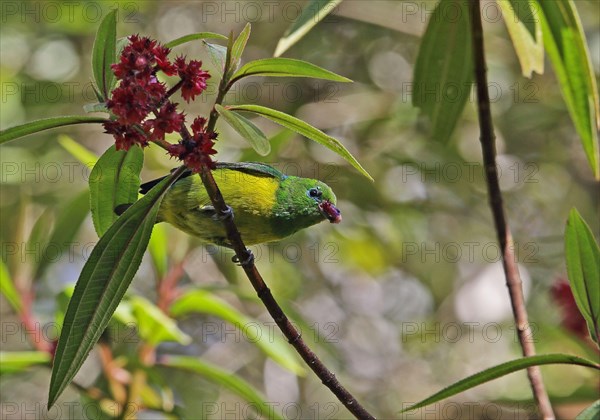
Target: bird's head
point(308, 201)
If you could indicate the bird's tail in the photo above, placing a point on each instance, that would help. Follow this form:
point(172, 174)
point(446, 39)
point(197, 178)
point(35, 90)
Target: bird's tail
point(120, 209)
point(144, 188)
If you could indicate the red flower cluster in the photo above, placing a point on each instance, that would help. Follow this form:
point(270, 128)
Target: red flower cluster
point(572, 319)
point(140, 96)
point(193, 78)
point(141, 58)
point(196, 151)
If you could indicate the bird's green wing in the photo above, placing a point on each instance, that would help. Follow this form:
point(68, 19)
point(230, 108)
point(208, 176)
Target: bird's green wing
point(251, 168)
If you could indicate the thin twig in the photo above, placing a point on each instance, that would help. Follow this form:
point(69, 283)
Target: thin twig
point(511, 271)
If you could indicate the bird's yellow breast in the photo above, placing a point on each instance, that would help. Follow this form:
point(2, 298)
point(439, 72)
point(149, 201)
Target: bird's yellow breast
point(247, 192)
point(252, 198)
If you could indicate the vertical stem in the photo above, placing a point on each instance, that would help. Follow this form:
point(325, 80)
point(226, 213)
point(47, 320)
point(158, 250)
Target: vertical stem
point(511, 271)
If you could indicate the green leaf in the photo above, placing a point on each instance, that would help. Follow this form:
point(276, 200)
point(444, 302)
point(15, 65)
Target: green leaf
point(583, 268)
point(62, 303)
point(124, 313)
point(276, 141)
point(285, 67)
point(32, 127)
point(226, 379)
point(313, 13)
point(525, 13)
point(102, 283)
point(499, 371)
point(304, 129)
point(443, 73)
point(104, 53)
point(201, 301)
point(525, 30)
point(65, 228)
point(16, 361)
point(8, 289)
point(238, 48)
point(158, 249)
point(218, 54)
point(153, 325)
point(590, 413)
point(121, 44)
point(114, 180)
point(565, 43)
point(79, 152)
point(247, 130)
point(193, 37)
point(40, 232)
point(95, 107)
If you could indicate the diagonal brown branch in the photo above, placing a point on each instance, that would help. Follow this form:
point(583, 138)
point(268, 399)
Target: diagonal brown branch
point(511, 271)
point(264, 293)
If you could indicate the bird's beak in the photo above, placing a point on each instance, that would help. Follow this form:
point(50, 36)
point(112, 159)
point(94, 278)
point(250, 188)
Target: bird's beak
point(330, 212)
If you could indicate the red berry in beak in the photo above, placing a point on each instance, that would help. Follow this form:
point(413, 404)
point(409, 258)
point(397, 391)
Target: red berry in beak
point(331, 212)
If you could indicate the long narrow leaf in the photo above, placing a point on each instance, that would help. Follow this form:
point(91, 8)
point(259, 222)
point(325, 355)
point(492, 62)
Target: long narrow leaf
point(154, 326)
point(7, 288)
point(304, 129)
point(286, 67)
point(502, 370)
point(247, 130)
point(238, 48)
point(590, 413)
point(79, 152)
point(313, 13)
point(17, 361)
point(525, 30)
point(193, 37)
point(98, 106)
point(102, 283)
point(104, 53)
point(583, 267)
point(232, 382)
point(158, 248)
point(565, 43)
point(201, 301)
point(68, 222)
point(443, 72)
point(32, 127)
point(114, 180)
point(41, 231)
point(218, 54)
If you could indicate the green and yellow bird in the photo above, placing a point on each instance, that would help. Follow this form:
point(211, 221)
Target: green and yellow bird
point(267, 205)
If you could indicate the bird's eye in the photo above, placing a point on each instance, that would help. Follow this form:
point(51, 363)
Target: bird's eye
point(315, 193)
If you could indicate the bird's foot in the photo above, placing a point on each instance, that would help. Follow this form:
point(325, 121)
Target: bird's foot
point(226, 214)
point(222, 215)
point(245, 263)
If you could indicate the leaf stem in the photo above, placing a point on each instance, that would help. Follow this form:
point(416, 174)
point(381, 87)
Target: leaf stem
point(511, 270)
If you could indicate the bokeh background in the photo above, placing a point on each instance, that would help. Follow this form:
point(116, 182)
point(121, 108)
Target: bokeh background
point(402, 298)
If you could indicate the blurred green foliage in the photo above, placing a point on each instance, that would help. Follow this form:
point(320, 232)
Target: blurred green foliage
point(398, 299)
